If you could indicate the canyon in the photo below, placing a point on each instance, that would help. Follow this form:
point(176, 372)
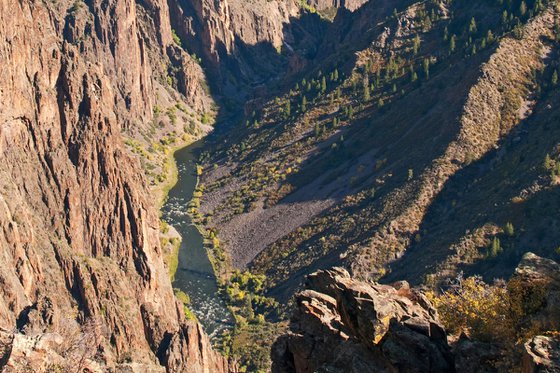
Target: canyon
point(82, 271)
point(348, 146)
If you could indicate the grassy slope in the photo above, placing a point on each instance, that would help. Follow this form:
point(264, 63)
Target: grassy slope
point(382, 168)
point(380, 188)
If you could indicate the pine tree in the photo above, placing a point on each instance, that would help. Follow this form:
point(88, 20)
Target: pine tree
point(304, 104)
point(548, 163)
point(323, 85)
point(538, 5)
point(523, 8)
point(335, 75)
point(288, 109)
point(426, 24)
point(509, 230)
point(495, 248)
point(317, 130)
point(554, 79)
point(453, 43)
point(426, 64)
point(472, 27)
point(416, 44)
point(490, 37)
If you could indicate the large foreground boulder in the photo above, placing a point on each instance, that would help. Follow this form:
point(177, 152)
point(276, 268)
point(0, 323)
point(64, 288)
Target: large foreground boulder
point(346, 325)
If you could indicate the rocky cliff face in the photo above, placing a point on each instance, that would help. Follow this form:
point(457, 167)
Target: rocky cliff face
point(79, 249)
point(341, 324)
point(228, 33)
point(246, 44)
point(250, 43)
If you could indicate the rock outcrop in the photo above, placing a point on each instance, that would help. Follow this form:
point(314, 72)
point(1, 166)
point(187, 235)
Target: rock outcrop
point(542, 275)
point(79, 243)
point(342, 324)
point(542, 354)
point(345, 325)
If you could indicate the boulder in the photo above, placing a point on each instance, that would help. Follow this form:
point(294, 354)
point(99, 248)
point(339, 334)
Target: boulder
point(345, 325)
point(542, 355)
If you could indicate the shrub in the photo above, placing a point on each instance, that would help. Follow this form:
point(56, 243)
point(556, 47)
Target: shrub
point(176, 37)
point(501, 313)
point(472, 307)
point(509, 229)
point(495, 248)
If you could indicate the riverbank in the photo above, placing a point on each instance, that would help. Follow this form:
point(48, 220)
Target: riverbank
point(203, 278)
point(161, 191)
point(194, 274)
point(170, 238)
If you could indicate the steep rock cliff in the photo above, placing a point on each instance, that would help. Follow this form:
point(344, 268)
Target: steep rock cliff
point(248, 43)
point(79, 248)
point(245, 44)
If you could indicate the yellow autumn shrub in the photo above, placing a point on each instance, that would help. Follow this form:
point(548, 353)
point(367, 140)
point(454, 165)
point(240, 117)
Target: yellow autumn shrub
point(502, 312)
point(475, 308)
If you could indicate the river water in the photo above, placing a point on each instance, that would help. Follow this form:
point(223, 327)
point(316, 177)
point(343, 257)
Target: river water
point(195, 275)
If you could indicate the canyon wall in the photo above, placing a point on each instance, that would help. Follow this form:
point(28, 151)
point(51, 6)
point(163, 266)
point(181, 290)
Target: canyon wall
point(79, 249)
point(246, 44)
point(252, 43)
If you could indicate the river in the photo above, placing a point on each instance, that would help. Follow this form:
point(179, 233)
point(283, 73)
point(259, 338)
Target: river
point(195, 275)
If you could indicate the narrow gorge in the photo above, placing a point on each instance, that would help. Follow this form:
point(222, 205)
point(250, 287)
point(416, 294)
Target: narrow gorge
point(279, 185)
point(83, 277)
point(194, 275)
